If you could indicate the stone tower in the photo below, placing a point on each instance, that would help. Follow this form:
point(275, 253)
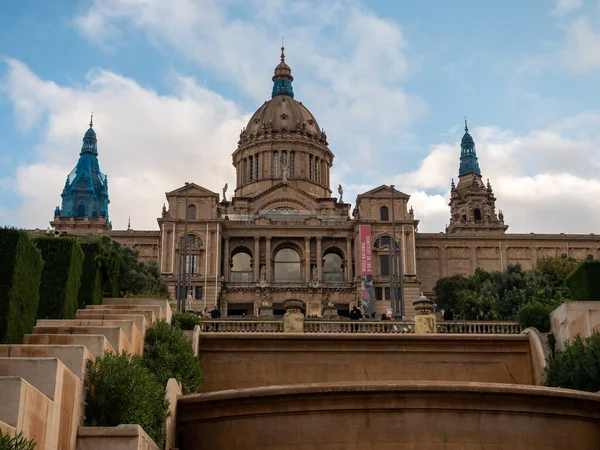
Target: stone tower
point(472, 203)
point(85, 199)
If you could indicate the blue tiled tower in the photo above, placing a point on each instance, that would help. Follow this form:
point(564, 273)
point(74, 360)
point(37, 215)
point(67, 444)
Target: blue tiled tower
point(468, 156)
point(85, 194)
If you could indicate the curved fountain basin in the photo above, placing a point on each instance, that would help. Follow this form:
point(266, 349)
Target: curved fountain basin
point(391, 415)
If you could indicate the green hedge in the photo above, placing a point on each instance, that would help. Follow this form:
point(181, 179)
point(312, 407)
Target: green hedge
point(119, 389)
point(21, 266)
point(90, 290)
point(185, 320)
point(584, 282)
point(168, 354)
point(61, 277)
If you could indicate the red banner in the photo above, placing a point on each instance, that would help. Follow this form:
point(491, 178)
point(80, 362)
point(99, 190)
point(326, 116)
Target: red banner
point(365, 249)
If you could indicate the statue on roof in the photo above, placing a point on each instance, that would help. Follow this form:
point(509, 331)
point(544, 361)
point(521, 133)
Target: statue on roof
point(341, 192)
point(224, 192)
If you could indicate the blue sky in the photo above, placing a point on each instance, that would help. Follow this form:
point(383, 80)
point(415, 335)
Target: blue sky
point(172, 83)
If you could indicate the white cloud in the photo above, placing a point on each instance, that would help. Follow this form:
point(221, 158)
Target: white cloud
point(543, 181)
point(347, 62)
point(148, 143)
point(582, 52)
point(564, 7)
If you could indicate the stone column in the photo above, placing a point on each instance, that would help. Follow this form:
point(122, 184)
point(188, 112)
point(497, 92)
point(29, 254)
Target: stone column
point(226, 260)
point(473, 259)
point(268, 257)
point(256, 258)
point(307, 273)
point(319, 258)
point(349, 260)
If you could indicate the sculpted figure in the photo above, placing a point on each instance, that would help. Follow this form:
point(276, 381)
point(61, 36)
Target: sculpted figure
point(341, 192)
point(224, 192)
point(284, 173)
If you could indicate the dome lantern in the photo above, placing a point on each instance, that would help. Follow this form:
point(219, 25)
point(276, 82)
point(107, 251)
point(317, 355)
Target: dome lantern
point(282, 79)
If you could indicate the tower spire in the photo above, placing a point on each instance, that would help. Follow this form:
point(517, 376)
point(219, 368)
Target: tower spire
point(466, 127)
point(468, 155)
point(92, 120)
point(282, 78)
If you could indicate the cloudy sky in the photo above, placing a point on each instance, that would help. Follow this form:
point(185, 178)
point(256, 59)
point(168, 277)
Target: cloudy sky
point(171, 84)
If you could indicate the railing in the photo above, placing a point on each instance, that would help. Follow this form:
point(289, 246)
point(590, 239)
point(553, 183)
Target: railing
point(251, 325)
point(241, 326)
point(357, 326)
point(477, 327)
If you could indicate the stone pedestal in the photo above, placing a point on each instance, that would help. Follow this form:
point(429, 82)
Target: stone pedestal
point(293, 320)
point(266, 312)
point(425, 322)
point(330, 313)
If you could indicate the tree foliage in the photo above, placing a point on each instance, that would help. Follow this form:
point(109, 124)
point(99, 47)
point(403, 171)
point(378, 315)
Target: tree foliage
point(584, 282)
point(18, 442)
point(185, 320)
point(168, 354)
point(21, 266)
point(577, 367)
point(121, 390)
point(513, 294)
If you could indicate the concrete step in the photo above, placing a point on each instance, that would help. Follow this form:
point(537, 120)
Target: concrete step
point(25, 409)
point(128, 326)
point(139, 319)
point(96, 344)
point(61, 386)
point(149, 313)
point(72, 356)
point(115, 335)
point(165, 307)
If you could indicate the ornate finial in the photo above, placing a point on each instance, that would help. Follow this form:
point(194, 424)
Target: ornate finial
point(129, 224)
point(91, 120)
point(452, 185)
point(466, 127)
point(282, 50)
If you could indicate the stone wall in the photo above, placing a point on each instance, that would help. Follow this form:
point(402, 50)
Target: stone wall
point(294, 359)
point(404, 415)
point(574, 318)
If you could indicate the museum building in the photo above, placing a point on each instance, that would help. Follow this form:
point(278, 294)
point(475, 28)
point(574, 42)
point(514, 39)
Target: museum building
point(282, 235)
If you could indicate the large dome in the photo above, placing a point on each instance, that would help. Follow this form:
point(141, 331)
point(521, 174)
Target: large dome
point(282, 113)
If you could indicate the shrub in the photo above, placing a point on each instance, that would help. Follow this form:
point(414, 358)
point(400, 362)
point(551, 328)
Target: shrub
point(577, 367)
point(168, 354)
point(535, 315)
point(584, 282)
point(21, 266)
point(120, 390)
point(90, 290)
point(185, 320)
point(61, 277)
point(18, 442)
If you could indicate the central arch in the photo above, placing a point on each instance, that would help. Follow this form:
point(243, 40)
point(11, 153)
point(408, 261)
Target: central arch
point(287, 265)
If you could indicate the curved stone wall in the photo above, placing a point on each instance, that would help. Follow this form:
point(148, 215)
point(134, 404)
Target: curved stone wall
point(408, 415)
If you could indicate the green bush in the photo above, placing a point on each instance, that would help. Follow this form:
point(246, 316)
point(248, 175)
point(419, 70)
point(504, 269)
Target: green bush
point(90, 290)
point(535, 315)
point(21, 266)
point(120, 390)
point(577, 367)
point(168, 354)
point(185, 320)
point(18, 442)
point(584, 281)
point(61, 277)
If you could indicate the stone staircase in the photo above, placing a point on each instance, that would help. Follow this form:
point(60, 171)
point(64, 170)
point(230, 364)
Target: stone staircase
point(41, 380)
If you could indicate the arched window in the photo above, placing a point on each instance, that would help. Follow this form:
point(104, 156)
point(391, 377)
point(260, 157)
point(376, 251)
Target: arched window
point(275, 164)
point(250, 168)
point(477, 214)
point(190, 246)
point(384, 214)
point(317, 172)
point(333, 268)
point(81, 211)
point(310, 167)
point(191, 212)
point(241, 266)
point(383, 241)
point(287, 265)
point(256, 168)
point(292, 163)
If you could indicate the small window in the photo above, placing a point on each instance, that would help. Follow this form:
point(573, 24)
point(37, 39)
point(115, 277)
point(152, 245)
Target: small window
point(256, 169)
point(387, 293)
point(384, 214)
point(81, 211)
point(199, 292)
point(384, 265)
point(477, 214)
point(378, 293)
point(292, 163)
point(191, 212)
point(275, 164)
point(383, 241)
point(310, 167)
point(250, 168)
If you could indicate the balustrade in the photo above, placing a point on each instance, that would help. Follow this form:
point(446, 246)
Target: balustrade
point(478, 327)
point(241, 326)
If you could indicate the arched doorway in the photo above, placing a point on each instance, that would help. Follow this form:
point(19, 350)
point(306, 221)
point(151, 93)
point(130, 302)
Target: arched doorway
point(287, 265)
